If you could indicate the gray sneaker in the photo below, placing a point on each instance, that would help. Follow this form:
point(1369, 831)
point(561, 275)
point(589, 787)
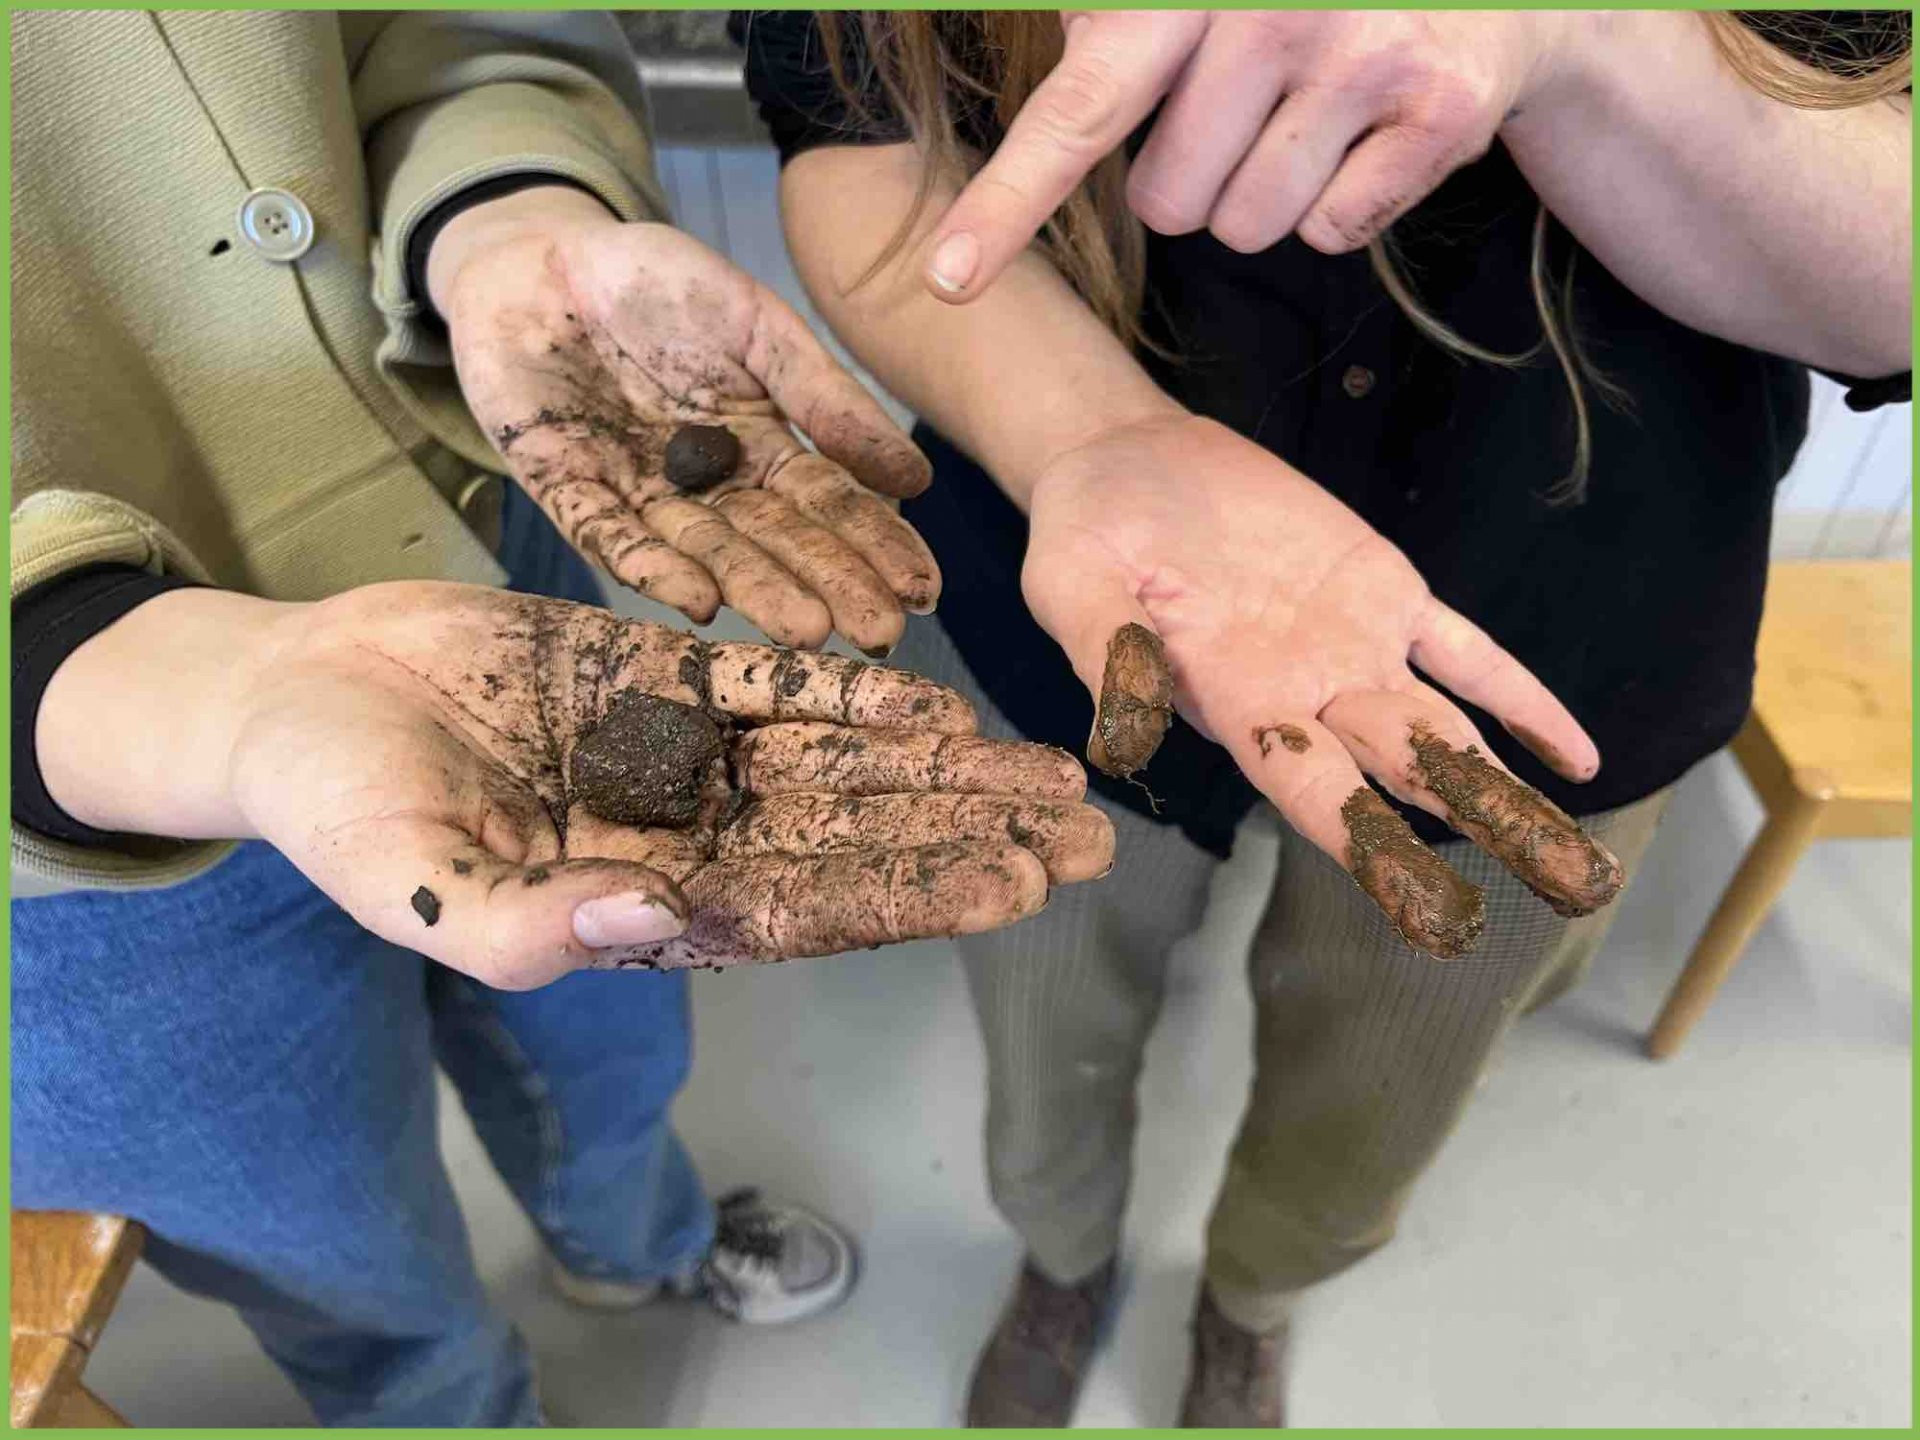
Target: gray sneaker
point(771, 1264)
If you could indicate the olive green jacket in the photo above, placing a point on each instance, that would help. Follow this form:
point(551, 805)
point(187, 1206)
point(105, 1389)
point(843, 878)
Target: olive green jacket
point(291, 429)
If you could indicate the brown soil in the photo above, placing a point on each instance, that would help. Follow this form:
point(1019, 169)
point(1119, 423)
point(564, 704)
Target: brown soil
point(647, 762)
point(1429, 903)
point(1136, 702)
point(699, 457)
point(1514, 822)
point(1291, 736)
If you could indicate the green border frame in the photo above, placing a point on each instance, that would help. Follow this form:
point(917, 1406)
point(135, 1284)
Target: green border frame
point(6, 106)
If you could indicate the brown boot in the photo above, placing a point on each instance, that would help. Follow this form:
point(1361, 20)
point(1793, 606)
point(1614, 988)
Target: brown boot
point(1029, 1375)
point(1237, 1381)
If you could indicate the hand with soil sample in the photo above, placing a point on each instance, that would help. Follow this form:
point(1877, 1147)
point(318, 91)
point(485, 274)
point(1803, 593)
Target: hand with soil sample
point(1182, 566)
point(644, 391)
point(520, 787)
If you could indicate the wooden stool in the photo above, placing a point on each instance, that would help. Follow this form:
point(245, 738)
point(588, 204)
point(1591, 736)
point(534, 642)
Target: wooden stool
point(1828, 747)
point(67, 1273)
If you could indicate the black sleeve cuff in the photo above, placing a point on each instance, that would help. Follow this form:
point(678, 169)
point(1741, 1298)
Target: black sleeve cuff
point(1872, 394)
point(420, 242)
point(50, 622)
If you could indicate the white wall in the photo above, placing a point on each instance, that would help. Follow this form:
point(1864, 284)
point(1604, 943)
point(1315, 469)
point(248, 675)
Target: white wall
point(1851, 491)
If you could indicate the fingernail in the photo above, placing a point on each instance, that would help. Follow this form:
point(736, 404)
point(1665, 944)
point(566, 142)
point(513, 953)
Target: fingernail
point(634, 919)
point(954, 262)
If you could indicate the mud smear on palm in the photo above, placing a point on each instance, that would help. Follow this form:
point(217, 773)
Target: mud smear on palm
point(648, 763)
point(1429, 903)
point(1290, 737)
point(1537, 840)
point(1136, 703)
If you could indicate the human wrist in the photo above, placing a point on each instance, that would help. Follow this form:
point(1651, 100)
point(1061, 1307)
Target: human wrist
point(1025, 465)
point(1583, 57)
point(536, 210)
point(137, 727)
point(1115, 425)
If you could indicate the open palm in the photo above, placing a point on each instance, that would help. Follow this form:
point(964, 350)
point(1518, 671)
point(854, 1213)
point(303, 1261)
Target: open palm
point(1291, 629)
point(415, 749)
point(583, 348)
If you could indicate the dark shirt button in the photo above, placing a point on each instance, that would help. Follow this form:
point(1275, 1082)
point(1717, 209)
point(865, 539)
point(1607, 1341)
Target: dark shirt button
point(1413, 497)
point(1357, 382)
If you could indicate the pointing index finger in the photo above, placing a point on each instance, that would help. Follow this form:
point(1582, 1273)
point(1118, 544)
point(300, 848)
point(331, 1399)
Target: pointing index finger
point(1114, 69)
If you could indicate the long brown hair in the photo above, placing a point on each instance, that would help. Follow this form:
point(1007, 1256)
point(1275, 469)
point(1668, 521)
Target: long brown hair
point(936, 66)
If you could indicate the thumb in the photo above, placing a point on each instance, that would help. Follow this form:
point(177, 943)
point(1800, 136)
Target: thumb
point(429, 887)
point(1114, 69)
point(1117, 654)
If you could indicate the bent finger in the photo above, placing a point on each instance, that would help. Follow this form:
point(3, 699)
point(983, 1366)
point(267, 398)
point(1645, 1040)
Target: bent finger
point(571, 473)
point(751, 580)
point(827, 495)
point(780, 759)
point(758, 683)
point(676, 854)
point(1430, 756)
point(1461, 656)
point(1301, 766)
point(1111, 644)
point(862, 607)
point(1285, 170)
point(779, 907)
point(1389, 172)
point(1074, 842)
point(1211, 119)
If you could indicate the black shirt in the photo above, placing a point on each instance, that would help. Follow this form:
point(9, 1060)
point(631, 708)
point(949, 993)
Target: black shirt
point(1638, 606)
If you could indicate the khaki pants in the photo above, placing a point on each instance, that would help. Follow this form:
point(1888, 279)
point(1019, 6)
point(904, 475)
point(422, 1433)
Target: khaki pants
point(1365, 1051)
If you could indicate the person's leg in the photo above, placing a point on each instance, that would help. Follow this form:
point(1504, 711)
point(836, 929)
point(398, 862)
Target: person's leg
point(237, 1065)
point(1066, 1001)
point(1366, 1054)
point(570, 1086)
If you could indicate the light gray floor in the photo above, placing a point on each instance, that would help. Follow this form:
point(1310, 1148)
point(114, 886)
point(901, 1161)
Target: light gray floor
point(1721, 1240)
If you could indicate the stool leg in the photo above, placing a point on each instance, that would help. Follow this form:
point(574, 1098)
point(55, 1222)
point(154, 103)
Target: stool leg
point(81, 1409)
point(1750, 894)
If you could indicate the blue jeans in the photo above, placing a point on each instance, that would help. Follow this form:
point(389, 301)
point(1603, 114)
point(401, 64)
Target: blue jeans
point(239, 1066)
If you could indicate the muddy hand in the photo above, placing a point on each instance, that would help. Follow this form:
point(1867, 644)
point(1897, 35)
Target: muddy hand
point(521, 787)
point(640, 388)
point(1177, 564)
point(1328, 124)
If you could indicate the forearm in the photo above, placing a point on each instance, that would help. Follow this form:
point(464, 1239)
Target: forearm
point(1018, 377)
point(1786, 229)
point(137, 726)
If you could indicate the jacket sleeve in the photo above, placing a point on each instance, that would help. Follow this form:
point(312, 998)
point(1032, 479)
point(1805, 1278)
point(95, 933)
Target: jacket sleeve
point(53, 533)
point(446, 100)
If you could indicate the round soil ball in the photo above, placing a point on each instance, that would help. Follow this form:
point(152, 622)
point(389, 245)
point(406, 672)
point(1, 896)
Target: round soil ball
point(699, 457)
point(644, 763)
